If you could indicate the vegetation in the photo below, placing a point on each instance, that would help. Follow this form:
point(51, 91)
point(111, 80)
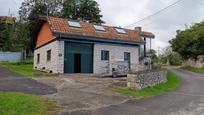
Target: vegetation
point(170, 58)
point(83, 9)
point(172, 83)
point(14, 37)
point(189, 43)
point(30, 11)
point(24, 104)
point(193, 69)
point(154, 57)
point(25, 69)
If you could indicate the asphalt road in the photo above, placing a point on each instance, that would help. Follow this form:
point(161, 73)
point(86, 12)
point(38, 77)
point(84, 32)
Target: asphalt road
point(13, 82)
point(187, 100)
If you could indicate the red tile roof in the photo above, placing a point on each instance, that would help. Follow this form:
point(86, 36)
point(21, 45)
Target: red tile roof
point(60, 25)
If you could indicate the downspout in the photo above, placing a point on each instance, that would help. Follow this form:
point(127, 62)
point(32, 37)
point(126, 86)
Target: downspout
point(145, 47)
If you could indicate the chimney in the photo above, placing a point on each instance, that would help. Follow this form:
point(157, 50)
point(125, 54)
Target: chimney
point(138, 28)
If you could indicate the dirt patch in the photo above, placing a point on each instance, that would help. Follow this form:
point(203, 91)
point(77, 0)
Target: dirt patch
point(84, 92)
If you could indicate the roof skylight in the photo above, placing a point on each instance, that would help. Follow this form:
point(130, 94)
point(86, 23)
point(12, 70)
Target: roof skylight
point(120, 31)
point(99, 27)
point(74, 24)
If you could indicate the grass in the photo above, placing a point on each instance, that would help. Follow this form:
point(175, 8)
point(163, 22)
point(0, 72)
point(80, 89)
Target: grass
point(25, 69)
point(193, 69)
point(172, 83)
point(24, 104)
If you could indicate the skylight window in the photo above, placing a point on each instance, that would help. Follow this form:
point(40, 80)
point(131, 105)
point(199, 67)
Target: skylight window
point(120, 31)
point(99, 27)
point(74, 24)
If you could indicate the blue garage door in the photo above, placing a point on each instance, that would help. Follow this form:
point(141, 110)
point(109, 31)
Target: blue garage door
point(78, 58)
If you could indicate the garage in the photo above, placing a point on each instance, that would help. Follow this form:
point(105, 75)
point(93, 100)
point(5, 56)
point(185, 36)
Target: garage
point(78, 58)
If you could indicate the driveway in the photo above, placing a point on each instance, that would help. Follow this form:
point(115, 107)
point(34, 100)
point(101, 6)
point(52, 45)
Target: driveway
point(83, 95)
point(79, 94)
point(13, 82)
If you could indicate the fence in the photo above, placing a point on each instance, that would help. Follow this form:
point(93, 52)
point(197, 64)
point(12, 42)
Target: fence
point(11, 56)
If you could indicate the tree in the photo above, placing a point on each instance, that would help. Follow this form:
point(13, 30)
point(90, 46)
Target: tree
point(83, 9)
point(30, 11)
point(14, 37)
point(189, 43)
point(154, 56)
point(170, 57)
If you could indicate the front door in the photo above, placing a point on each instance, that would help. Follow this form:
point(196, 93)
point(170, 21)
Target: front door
point(77, 63)
point(127, 58)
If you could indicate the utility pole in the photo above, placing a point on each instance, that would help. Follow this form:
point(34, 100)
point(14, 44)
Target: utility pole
point(9, 12)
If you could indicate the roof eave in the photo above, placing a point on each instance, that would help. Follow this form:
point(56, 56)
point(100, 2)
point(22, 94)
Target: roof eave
point(98, 39)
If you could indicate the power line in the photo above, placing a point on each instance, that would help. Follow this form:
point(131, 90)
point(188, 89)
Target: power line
point(163, 9)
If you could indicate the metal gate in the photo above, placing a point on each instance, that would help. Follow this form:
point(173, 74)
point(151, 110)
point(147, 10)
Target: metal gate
point(78, 58)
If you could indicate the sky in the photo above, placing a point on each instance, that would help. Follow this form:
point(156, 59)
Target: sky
point(126, 12)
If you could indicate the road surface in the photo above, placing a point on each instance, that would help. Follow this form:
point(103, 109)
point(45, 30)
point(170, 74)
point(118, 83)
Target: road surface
point(188, 99)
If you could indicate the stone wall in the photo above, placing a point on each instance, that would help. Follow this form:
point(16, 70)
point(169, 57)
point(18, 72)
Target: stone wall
point(145, 79)
point(194, 63)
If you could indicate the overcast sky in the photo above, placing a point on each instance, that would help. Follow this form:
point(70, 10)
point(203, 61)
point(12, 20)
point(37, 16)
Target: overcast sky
point(126, 12)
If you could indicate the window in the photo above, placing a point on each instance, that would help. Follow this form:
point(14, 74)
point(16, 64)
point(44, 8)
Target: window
point(126, 56)
point(99, 27)
point(38, 58)
point(74, 24)
point(48, 55)
point(120, 31)
point(104, 55)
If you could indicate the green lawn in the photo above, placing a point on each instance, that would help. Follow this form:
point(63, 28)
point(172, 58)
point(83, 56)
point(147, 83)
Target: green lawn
point(172, 83)
point(24, 104)
point(193, 69)
point(25, 69)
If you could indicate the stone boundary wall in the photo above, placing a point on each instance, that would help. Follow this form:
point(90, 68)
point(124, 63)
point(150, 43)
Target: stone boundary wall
point(145, 79)
point(191, 62)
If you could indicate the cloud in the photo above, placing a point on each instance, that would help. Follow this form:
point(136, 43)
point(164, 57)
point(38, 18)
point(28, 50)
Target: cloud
point(125, 12)
point(163, 25)
point(13, 5)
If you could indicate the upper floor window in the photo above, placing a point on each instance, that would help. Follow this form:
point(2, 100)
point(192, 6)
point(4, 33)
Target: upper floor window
point(74, 24)
point(99, 27)
point(120, 31)
point(104, 55)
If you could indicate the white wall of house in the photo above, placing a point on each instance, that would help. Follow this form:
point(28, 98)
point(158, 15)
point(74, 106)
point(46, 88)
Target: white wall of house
point(56, 64)
point(116, 53)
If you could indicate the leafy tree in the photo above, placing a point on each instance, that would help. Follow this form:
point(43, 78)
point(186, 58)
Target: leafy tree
point(154, 57)
point(83, 9)
point(14, 37)
point(170, 57)
point(189, 43)
point(30, 11)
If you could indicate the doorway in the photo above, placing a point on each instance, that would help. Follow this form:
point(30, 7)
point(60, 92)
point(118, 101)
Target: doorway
point(77, 63)
point(78, 58)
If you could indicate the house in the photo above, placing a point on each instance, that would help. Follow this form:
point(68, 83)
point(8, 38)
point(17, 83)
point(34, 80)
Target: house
point(7, 20)
point(74, 46)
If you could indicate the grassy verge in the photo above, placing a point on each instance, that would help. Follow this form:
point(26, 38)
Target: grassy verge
point(172, 83)
point(24, 104)
point(193, 69)
point(25, 69)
